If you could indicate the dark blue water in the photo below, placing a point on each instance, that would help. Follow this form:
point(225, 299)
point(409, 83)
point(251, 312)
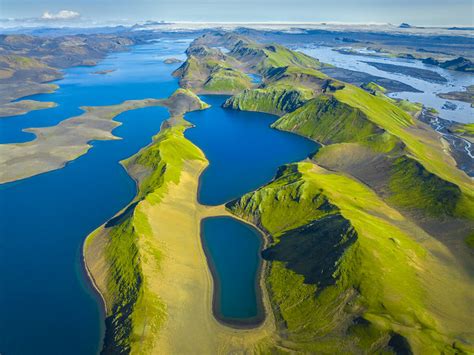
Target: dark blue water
point(46, 304)
point(232, 249)
point(243, 151)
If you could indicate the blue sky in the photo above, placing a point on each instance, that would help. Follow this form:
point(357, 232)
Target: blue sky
point(419, 12)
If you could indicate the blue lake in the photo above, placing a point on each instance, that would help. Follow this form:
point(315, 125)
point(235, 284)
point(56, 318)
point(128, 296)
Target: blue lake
point(137, 74)
point(232, 249)
point(46, 303)
point(244, 153)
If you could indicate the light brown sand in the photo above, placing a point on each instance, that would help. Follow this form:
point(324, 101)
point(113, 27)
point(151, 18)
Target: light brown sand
point(185, 282)
point(54, 146)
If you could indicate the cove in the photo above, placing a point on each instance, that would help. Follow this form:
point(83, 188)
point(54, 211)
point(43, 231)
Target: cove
point(232, 249)
point(138, 74)
point(47, 305)
point(244, 153)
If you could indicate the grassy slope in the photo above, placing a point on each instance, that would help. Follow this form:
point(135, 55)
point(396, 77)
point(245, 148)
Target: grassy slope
point(316, 120)
point(412, 186)
point(134, 313)
point(425, 148)
point(285, 90)
point(329, 120)
point(420, 176)
point(277, 99)
point(264, 58)
point(333, 239)
point(131, 305)
point(349, 115)
point(209, 72)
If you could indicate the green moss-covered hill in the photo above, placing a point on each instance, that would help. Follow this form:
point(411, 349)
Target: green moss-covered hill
point(115, 246)
point(208, 70)
point(346, 274)
point(383, 130)
point(355, 239)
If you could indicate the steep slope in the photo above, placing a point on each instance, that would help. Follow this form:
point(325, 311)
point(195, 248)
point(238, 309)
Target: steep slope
point(278, 99)
point(264, 58)
point(284, 90)
point(208, 70)
point(347, 114)
point(331, 240)
point(316, 120)
point(117, 253)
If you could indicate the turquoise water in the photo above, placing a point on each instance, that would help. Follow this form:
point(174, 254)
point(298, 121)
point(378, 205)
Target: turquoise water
point(46, 303)
point(232, 249)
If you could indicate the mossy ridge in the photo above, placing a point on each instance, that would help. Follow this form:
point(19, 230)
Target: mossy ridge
point(263, 58)
point(329, 121)
point(354, 306)
point(135, 313)
point(392, 116)
point(164, 159)
point(209, 70)
point(425, 147)
point(352, 115)
point(412, 186)
point(466, 129)
point(413, 108)
point(224, 79)
point(373, 88)
point(277, 99)
point(398, 178)
point(302, 77)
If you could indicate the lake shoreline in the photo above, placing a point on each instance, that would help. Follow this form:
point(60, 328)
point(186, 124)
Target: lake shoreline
point(237, 323)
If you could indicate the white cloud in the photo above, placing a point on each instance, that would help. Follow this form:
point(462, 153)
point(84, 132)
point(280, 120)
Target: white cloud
point(61, 15)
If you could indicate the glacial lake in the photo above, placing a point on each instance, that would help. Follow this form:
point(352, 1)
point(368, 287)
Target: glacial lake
point(47, 305)
point(233, 252)
point(244, 153)
point(45, 296)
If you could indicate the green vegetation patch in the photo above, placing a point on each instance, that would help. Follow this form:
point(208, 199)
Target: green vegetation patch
point(327, 120)
point(412, 186)
point(373, 88)
point(267, 57)
point(342, 277)
point(466, 128)
point(293, 203)
point(210, 70)
point(164, 160)
point(224, 79)
point(20, 62)
point(135, 313)
point(425, 147)
point(470, 240)
point(278, 99)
